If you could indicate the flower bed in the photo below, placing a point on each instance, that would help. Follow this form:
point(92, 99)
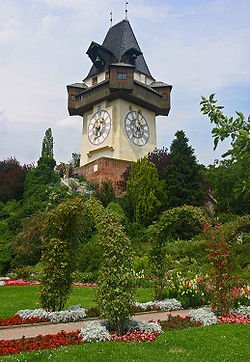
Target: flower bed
point(21, 282)
point(207, 316)
point(41, 342)
point(163, 305)
point(19, 320)
point(178, 322)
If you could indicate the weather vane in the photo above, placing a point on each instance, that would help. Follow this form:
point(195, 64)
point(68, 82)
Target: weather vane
point(126, 10)
point(110, 18)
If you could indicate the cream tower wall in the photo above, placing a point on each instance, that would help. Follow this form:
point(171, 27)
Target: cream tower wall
point(117, 145)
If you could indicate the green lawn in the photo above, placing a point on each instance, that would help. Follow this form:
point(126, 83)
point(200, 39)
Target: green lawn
point(13, 299)
point(214, 343)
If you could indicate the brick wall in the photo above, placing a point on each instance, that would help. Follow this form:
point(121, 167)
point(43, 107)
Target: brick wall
point(104, 170)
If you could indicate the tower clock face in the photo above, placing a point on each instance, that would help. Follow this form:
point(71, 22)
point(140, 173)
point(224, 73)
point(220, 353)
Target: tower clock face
point(99, 127)
point(136, 128)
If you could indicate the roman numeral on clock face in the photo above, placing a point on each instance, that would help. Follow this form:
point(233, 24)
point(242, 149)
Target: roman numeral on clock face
point(136, 128)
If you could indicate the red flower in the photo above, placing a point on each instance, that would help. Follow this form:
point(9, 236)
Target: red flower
point(213, 307)
point(222, 244)
point(226, 276)
point(226, 252)
point(222, 264)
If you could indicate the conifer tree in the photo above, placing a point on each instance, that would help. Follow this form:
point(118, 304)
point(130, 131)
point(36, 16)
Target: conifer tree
point(47, 145)
point(183, 177)
point(144, 191)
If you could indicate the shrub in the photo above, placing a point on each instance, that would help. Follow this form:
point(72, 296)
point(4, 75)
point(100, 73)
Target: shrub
point(59, 253)
point(105, 194)
point(115, 285)
point(145, 191)
point(222, 275)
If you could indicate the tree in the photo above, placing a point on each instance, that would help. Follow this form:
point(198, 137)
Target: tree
point(60, 246)
point(183, 176)
point(105, 193)
point(145, 191)
point(12, 176)
point(47, 145)
point(116, 283)
point(238, 129)
point(160, 158)
point(230, 186)
point(75, 159)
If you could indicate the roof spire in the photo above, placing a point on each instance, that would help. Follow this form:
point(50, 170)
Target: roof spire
point(110, 18)
point(126, 10)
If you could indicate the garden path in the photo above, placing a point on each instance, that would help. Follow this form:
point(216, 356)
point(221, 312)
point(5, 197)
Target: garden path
point(16, 332)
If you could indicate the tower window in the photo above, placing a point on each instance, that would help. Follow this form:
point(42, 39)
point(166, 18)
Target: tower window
point(122, 75)
point(94, 80)
point(165, 96)
point(72, 97)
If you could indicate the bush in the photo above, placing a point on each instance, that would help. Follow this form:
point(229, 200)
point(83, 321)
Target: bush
point(179, 223)
point(59, 254)
point(105, 194)
point(115, 285)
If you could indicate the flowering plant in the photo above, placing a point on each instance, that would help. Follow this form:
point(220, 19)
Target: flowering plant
point(221, 271)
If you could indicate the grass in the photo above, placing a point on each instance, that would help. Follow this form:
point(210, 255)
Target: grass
point(213, 343)
point(13, 298)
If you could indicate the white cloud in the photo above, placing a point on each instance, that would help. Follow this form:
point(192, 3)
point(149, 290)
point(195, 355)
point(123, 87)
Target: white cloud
point(10, 31)
point(193, 46)
point(47, 24)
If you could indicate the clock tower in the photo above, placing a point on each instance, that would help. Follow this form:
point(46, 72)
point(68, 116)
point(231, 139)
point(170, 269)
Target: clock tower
point(118, 102)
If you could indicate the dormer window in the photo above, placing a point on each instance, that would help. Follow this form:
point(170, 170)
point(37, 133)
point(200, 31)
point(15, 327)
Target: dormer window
point(94, 80)
point(122, 75)
point(165, 96)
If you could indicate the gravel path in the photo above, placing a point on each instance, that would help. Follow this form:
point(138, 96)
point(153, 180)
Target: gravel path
point(17, 332)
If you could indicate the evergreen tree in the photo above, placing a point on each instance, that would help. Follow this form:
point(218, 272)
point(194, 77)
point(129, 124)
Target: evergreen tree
point(47, 145)
point(184, 180)
point(145, 191)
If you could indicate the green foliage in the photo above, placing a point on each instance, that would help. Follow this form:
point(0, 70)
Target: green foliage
point(27, 244)
point(47, 145)
point(141, 264)
point(5, 242)
point(118, 210)
point(23, 273)
point(230, 186)
point(90, 256)
point(145, 191)
point(41, 175)
point(105, 194)
point(238, 129)
point(187, 255)
point(221, 272)
point(59, 253)
point(178, 223)
point(115, 282)
point(183, 176)
point(181, 222)
point(75, 159)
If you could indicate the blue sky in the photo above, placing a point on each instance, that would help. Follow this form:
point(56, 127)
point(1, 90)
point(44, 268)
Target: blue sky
point(198, 46)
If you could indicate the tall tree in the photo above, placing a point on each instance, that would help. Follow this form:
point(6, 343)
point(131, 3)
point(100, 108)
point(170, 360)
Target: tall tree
point(145, 191)
point(183, 176)
point(12, 176)
point(47, 145)
point(160, 158)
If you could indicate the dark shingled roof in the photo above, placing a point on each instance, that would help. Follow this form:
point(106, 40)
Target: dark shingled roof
point(118, 40)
